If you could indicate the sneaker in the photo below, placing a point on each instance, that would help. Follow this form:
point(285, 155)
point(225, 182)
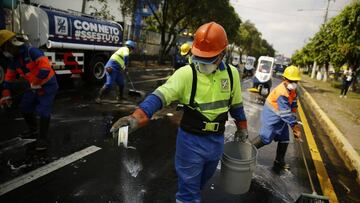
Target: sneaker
point(41, 145)
point(341, 96)
point(29, 134)
point(345, 96)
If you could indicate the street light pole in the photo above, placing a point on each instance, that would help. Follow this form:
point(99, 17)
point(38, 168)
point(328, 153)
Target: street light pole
point(327, 11)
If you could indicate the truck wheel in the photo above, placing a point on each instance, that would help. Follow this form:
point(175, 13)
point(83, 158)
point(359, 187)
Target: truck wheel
point(96, 71)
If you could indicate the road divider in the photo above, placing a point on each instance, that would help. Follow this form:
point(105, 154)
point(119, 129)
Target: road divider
point(341, 144)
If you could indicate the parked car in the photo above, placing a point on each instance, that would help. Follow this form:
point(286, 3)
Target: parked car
point(278, 68)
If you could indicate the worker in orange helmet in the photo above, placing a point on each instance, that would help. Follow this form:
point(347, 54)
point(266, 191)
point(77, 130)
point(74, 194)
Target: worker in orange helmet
point(209, 89)
point(41, 87)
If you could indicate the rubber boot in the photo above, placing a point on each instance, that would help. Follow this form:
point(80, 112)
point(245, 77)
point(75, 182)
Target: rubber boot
point(31, 121)
point(121, 94)
point(42, 142)
point(101, 94)
point(279, 163)
point(257, 142)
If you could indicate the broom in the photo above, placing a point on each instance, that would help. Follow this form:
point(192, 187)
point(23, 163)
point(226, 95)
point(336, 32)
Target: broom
point(133, 91)
point(306, 197)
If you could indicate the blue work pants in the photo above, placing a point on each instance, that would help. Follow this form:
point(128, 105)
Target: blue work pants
point(196, 160)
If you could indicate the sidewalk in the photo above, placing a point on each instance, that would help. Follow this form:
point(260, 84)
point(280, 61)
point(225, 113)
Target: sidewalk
point(345, 113)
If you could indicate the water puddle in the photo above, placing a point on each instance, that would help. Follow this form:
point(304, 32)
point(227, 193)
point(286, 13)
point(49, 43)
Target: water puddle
point(284, 185)
point(131, 186)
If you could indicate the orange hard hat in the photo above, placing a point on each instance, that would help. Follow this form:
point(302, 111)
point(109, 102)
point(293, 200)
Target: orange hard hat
point(210, 40)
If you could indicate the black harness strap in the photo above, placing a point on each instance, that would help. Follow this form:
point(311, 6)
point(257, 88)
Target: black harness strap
point(195, 122)
point(231, 81)
point(193, 87)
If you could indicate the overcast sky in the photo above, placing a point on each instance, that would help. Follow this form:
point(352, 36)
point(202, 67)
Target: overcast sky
point(280, 22)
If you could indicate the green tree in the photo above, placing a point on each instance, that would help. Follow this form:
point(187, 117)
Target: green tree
point(103, 12)
point(337, 42)
point(251, 42)
point(175, 16)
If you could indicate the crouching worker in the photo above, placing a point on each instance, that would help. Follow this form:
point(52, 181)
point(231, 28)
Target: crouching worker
point(279, 113)
point(209, 89)
point(31, 64)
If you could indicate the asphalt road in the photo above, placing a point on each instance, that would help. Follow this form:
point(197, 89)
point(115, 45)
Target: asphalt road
point(143, 173)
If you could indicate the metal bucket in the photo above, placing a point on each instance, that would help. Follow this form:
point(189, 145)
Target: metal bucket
point(237, 166)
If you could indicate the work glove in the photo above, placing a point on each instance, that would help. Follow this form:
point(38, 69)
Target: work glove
point(297, 131)
point(109, 69)
point(242, 133)
point(5, 102)
point(134, 121)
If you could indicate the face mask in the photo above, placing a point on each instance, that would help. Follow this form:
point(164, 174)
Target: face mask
point(7, 54)
point(291, 86)
point(206, 68)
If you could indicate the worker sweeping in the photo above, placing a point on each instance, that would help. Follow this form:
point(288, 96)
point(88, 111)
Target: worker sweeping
point(115, 69)
point(209, 89)
point(41, 87)
point(279, 113)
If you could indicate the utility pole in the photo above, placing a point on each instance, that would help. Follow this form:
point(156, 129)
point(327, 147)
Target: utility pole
point(327, 11)
point(83, 6)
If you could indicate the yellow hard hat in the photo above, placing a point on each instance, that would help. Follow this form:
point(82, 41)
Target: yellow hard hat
point(345, 67)
point(292, 73)
point(6, 35)
point(184, 49)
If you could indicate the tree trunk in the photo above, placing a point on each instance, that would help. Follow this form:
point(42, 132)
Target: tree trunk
point(326, 73)
point(318, 74)
point(313, 72)
point(355, 82)
point(240, 56)
point(229, 54)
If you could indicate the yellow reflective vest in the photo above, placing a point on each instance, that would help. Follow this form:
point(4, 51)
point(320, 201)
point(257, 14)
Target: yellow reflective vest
point(119, 56)
point(212, 91)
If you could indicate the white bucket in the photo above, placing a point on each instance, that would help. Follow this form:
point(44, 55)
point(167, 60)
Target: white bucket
point(237, 166)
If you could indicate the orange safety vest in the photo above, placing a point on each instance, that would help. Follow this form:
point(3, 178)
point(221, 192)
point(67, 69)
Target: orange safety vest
point(281, 90)
point(29, 64)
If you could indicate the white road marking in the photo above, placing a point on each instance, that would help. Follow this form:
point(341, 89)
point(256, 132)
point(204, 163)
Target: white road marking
point(44, 170)
point(14, 143)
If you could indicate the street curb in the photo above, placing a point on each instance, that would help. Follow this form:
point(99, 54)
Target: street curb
point(341, 144)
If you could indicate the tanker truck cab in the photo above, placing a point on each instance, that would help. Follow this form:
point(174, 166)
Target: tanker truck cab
point(262, 79)
point(75, 43)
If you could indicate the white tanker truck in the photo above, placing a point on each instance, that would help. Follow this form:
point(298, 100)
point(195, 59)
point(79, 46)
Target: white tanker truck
point(76, 44)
